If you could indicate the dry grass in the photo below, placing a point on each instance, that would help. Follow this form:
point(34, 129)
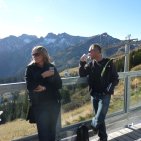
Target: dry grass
point(77, 115)
point(86, 112)
point(16, 129)
point(70, 70)
point(136, 68)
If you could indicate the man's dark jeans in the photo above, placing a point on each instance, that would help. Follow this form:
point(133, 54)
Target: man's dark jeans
point(101, 104)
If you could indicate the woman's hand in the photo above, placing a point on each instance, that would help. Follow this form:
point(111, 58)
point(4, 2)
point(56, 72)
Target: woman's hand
point(47, 73)
point(39, 88)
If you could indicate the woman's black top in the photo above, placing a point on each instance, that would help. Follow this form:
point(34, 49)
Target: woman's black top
point(33, 79)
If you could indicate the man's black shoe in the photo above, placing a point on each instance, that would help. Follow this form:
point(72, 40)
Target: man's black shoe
point(95, 130)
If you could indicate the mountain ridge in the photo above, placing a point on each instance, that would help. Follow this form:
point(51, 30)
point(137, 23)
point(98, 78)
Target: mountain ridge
point(65, 50)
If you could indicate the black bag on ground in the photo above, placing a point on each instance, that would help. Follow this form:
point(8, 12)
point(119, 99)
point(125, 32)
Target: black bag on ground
point(82, 133)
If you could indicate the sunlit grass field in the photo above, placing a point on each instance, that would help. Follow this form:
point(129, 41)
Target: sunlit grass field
point(71, 71)
point(16, 129)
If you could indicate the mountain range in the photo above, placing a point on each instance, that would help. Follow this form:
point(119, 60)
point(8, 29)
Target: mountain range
point(64, 49)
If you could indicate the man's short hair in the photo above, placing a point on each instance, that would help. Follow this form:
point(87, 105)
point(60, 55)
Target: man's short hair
point(95, 47)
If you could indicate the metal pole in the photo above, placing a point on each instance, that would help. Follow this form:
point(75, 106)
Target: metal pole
point(126, 62)
point(127, 52)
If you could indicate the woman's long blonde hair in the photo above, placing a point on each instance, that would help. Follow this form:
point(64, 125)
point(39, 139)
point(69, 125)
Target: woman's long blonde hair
point(43, 51)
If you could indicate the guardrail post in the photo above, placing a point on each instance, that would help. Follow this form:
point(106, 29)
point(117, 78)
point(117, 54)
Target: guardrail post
point(127, 94)
point(1, 114)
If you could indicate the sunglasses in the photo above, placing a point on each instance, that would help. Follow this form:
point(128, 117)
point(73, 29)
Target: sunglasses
point(36, 54)
point(92, 50)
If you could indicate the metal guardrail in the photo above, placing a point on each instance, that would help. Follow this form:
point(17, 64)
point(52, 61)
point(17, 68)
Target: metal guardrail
point(126, 76)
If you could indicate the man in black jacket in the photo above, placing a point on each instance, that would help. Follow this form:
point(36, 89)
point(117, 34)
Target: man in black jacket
point(102, 79)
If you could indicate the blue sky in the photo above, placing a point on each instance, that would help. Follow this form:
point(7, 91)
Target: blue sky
point(76, 17)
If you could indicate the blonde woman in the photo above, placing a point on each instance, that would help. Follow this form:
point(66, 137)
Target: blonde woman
point(43, 82)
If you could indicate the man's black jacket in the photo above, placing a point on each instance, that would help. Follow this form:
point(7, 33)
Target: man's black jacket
point(102, 75)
